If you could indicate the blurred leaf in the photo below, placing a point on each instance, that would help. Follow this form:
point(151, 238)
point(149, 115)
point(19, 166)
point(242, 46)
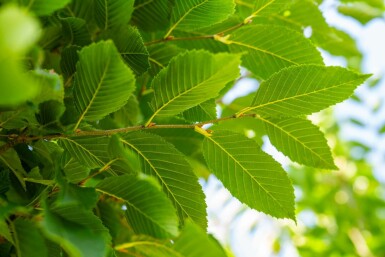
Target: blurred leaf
point(361, 11)
point(80, 233)
point(28, 240)
point(44, 7)
point(192, 236)
point(12, 161)
point(18, 32)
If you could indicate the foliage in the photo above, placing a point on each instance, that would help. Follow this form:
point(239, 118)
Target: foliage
point(105, 108)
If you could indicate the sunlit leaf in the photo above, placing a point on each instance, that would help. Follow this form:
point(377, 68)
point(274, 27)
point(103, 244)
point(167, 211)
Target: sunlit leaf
point(307, 89)
point(300, 140)
point(191, 79)
point(251, 175)
point(268, 49)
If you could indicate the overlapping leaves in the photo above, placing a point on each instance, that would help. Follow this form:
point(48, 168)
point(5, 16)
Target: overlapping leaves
point(161, 160)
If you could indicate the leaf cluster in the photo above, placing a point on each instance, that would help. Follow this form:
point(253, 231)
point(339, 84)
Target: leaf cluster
point(106, 108)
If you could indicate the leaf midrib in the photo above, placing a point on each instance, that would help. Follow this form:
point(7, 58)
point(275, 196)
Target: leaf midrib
point(246, 171)
point(95, 94)
point(157, 174)
point(295, 96)
point(184, 92)
point(182, 18)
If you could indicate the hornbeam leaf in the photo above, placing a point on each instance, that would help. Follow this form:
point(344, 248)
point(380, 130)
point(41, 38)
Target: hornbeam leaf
point(270, 48)
point(149, 211)
point(144, 18)
point(111, 13)
point(190, 15)
point(251, 175)
point(103, 83)
point(304, 89)
point(28, 240)
point(75, 31)
point(162, 160)
point(201, 112)
point(130, 45)
point(190, 79)
point(300, 140)
point(89, 151)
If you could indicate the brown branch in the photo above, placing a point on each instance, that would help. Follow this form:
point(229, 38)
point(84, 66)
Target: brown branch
point(18, 139)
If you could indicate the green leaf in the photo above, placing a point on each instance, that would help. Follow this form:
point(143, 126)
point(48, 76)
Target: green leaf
point(144, 17)
point(191, 15)
point(268, 48)
point(254, 8)
point(304, 89)
point(11, 160)
point(69, 58)
point(249, 174)
point(202, 112)
point(112, 13)
point(75, 31)
point(191, 237)
point(161, 160)
point(149, 211)
point(79, 232)
point(361, 11)
point(130, 114)
point(103, 83)
point(73, 169)
point(44, 7)
point(300, 140)
point(160, 56)
point(88, 151)
point(28, 240)
point(190, 79)
point(20, 118)
point(130, 45)
point(18, 32)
